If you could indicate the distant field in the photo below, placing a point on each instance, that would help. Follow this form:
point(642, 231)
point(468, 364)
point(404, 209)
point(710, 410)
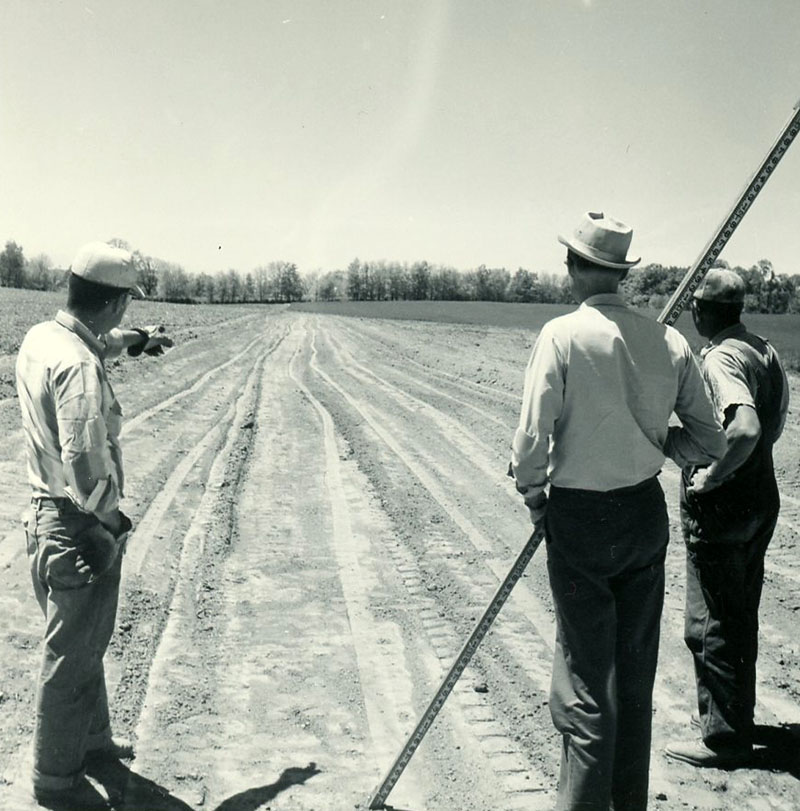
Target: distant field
point(783, 331)
point(490, 313)
point(20, 309)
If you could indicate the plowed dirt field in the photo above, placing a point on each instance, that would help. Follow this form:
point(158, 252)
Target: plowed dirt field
point(321, 514)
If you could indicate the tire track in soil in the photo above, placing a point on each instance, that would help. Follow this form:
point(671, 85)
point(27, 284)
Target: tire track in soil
point(214, 775)
point(151, 576)
point(193, 593)
point(482, 456)
point(416, 381)
point(148, 413)
point(374, 338)
point(520, 775)
point(385, 682)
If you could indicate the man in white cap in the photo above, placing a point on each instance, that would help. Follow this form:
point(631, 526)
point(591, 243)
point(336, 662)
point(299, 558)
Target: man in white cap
point(600, 387)
point(728, 514)
point(75, 528)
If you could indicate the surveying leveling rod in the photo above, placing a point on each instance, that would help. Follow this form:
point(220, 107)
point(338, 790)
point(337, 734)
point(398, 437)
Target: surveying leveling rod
point(669, 315)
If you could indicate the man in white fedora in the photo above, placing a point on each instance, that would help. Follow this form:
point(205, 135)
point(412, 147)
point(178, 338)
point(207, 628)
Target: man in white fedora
point(600, 387)
point(75, 529)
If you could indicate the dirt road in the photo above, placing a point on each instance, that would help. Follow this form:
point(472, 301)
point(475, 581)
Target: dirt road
point(322, 514)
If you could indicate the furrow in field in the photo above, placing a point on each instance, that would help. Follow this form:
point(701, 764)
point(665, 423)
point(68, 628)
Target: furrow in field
point(374, 336)
point(300, 658)
point(481, 455)
point(188, 615)
point(418, 382)
point(476, 721)
point(148, 527)
point(133, 423)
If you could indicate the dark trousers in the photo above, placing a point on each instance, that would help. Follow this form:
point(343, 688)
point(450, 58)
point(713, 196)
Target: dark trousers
point(71, 702)
point(606, 563)
point(723, 592)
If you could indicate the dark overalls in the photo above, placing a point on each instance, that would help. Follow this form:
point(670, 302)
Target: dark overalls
point(727, 531)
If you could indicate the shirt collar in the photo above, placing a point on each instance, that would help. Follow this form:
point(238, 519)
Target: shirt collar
point(729, 332)
point(81, 330)
point(609, 299)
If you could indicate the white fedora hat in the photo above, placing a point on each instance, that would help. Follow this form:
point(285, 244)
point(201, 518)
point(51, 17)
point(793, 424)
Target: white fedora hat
point(602, 240)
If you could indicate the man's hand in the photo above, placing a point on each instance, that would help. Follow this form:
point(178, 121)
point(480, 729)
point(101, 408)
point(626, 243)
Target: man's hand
point(537, 509)
point(703, 481)
point(100, 545)
point(97, 551)
point(153, 341)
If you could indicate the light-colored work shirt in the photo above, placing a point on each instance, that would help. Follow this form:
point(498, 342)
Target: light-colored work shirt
point(738, 367)
point(600, 387)
point(70, 417)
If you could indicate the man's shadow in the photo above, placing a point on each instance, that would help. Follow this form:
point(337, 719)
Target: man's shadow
point(777, 749)
point(129, 791)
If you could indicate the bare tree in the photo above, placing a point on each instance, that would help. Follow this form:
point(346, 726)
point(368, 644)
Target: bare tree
point(40, 274)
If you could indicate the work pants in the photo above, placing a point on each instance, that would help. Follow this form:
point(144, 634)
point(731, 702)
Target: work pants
point(723, 592)
point(71, 701)
point(606, 555)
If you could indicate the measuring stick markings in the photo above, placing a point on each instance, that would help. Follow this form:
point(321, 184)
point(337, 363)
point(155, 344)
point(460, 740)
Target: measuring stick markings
point(463, 659)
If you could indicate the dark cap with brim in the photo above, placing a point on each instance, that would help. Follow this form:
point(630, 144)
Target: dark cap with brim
point(721, 286)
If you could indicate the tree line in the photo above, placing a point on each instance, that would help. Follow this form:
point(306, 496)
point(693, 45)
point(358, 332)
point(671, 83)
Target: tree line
point(277, 281)
point(280, 281)
point(649, 286)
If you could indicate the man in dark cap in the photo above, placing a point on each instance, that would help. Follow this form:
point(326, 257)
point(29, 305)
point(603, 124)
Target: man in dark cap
point(600, 387)
point(75, 529)
point(728, 514)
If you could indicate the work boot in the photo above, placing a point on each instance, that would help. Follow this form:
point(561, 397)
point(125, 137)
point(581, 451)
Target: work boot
point(115, 749)
point(696, 753)
point(80, 797)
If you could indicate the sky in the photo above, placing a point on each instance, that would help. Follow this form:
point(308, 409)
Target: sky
point(223, 134)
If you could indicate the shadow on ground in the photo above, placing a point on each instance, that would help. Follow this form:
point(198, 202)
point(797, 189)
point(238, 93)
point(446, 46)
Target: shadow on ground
point(777, 749)
point(129, 791)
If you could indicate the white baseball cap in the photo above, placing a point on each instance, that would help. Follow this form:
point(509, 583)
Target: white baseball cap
point(104, 264)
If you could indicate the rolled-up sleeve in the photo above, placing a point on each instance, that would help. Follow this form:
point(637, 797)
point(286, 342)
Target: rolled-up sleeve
point(542, 402)
point(89, 470)
point(727, 382)
point(114, 343)
point(700, 439)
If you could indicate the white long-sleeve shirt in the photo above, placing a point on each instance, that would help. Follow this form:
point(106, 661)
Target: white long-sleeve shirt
point(600, 387)
point(70, 417)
